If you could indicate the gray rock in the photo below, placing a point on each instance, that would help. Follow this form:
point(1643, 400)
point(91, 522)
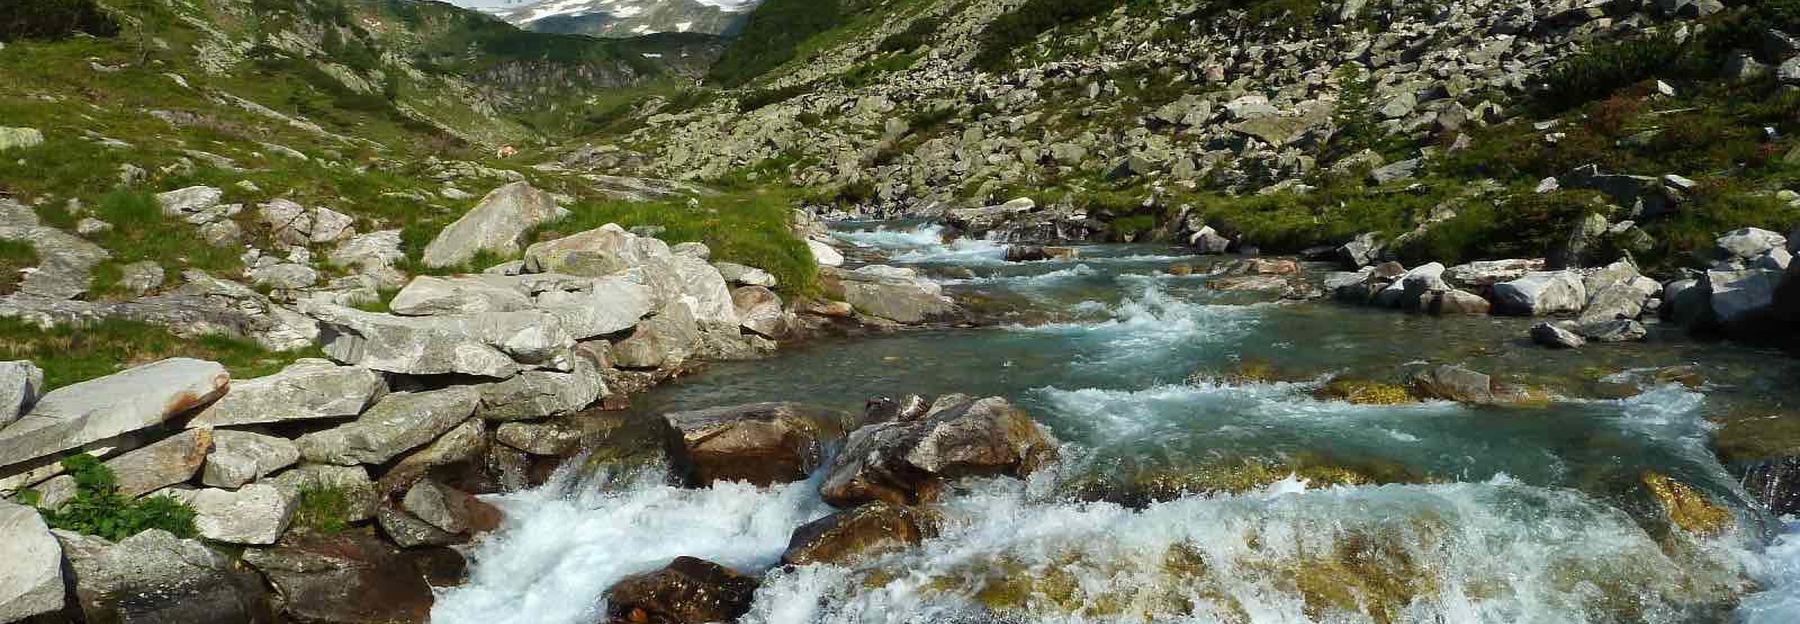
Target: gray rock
point(600, 252)
point(759, 310)
point(1555, 336)
point(1361, 251)
point(284, 276)
point(1789, 71)
point(1741, 295)
point(762, 444)
point(204, 306)
point(692, 249)
point(1453, 301)
point(89, 226)
point(1541, 293)
point(1482, 275)
point(172, 460)
point(240, 457)
point(553, 439)
point(65, 261)
point(1454, 383)
point(497, 223)
point(1615, 330)
point(254, 514)
point(705, 292)
point(609, 306)
point(352, 481)
point(308, 389)
point(397, 423)
point(370, 252)
point(485, 345)
point(447, 509)
point(141, 277)
point(21, 382)
point(541, 394)
point(408, 531)
point(741, 275)
point(156, 578)
point(428, 295)
point(907, 462)
point(465, 443)
point(1209, 241)
point(1749, 243)
point(347, 578)
point(825, 254)
point(1396, 171)
point(97, 409)
point(31, 582)
point(665, 341)
point(11, 138)
point(195, 204)
point(892, 293)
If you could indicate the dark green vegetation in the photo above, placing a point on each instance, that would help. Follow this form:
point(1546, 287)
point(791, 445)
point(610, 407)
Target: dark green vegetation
point(772, 36)
point(1036, 17)
point(98, 509)
point(72, 354)
point(323, 510)
point(53, 19)
point(14, 257)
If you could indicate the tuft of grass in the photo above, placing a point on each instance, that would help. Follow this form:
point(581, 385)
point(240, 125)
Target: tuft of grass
point(323, 510)
point(15, 256)
point(73, 354)
point(98, 508)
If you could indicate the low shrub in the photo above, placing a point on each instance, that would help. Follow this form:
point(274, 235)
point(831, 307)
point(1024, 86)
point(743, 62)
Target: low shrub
point(98, 508)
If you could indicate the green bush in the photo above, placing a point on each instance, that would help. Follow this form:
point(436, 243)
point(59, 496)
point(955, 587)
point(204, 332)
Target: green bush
point(1600, 70)
point(1036, 17)
point(916, 34)
point(763, 97)
point(772, 36)
point(98, 508)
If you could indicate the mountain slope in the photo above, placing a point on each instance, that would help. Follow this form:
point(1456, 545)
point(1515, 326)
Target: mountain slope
point(629, 18)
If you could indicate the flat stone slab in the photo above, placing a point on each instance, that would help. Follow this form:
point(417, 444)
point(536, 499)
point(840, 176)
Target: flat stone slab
point(254, 514)
point(239, 457)
point(97, 409)
point(488, 345)
point(307, 389)
point(398, 423)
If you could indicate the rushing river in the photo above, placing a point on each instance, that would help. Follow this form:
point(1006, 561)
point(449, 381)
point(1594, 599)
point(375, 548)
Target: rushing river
point(1484, 514)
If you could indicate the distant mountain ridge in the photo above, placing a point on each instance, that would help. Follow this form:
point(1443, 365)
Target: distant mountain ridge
point(621, 18)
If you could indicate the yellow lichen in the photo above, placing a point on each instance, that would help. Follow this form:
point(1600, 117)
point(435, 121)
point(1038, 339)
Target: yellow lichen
point(1686, 507)
point(1361, 392)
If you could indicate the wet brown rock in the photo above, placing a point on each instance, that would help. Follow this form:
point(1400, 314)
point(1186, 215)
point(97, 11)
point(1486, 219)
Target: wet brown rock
point(1454, 383)
point(349, 578)
point(870, 529)
point(1685, 507)
point(687, 591)
point(907, 462)
point(763, 443)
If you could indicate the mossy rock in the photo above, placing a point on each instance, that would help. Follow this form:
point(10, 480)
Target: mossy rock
point(1687, 508)
point(1757, 436)
point(1362, 392)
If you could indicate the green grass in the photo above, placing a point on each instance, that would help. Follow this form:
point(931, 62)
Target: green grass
point(15, 256)
point(751, 228)
point(73, 354)
point(323, 510)
point(98, 509)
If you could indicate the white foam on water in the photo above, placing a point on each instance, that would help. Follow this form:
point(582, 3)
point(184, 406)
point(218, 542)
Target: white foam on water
point(1147, 327)
point(1025, 281)
point(1778, 602)
point(1467, 552)
point(889, 238)
point(564, 544)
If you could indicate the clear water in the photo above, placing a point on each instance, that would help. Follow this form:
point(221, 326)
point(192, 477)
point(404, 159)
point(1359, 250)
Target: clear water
point(1523, 514)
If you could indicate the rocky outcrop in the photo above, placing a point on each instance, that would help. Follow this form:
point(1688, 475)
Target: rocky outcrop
point(93, 410)
point(253, 514)
point(892, 293)
point(762, 444)
point(1542, 293)
point(867, 530)
point(687, 590)
point(497, 224)
point(907, 462)
point(493, 345)
point(155, 577)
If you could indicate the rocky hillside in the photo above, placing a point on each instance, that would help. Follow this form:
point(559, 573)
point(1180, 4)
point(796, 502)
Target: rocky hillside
point(1285, 124)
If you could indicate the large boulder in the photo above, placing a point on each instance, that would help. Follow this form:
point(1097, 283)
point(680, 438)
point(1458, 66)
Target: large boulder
point(239, 457)
point(1739, 296)
point(31, 582)
point(665, 341)
point(1480, 276)
point(156, 578)
point(397, 423)
point(688, 590)
point(1541, 293)
point(761, 443)
point(607, 306)
point(21, 383)
point(348, 578)
point(487, 345)
point(428, 295)
point(870, 529)
point(97, 409)
point(759, 310)
point(1556, 336)
point(892, 293)
point(254, 514)
point(497, 224)
point(1454, 383)
point(1361, 251)
point(705, 292)
point(907, 462)
point(1749, 243)
point(308, 389)
point(600, 252)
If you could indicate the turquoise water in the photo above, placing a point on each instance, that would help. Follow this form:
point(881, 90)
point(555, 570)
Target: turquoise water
point(1498, 514)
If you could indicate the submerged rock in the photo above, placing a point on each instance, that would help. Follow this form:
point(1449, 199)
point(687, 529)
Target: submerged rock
point(1555, 336)
point(870, 529)
point(761, 443)
point(1685, 507)
point(688, 590)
